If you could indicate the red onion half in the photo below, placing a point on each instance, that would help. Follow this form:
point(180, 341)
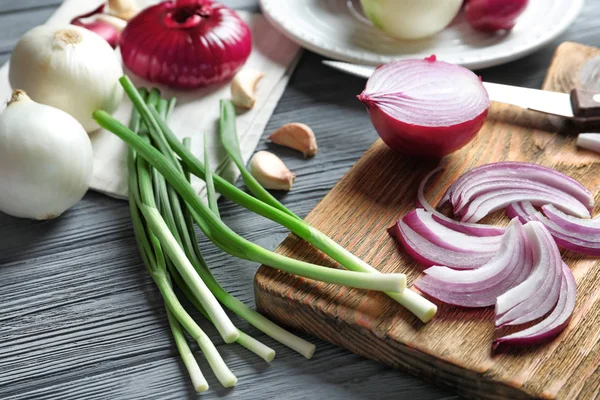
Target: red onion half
point(425, 107)
point(186, 43)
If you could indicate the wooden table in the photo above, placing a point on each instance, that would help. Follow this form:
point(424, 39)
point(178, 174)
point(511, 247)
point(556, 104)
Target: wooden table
point(80, 317)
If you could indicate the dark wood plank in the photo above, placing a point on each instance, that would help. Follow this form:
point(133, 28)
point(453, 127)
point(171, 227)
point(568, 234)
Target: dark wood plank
point(382, 187)
point(80, 328)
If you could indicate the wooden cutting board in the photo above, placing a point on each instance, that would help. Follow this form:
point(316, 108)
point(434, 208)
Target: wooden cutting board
point(454, 349)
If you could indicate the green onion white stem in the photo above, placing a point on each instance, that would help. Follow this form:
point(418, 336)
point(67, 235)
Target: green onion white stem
point(187, 357)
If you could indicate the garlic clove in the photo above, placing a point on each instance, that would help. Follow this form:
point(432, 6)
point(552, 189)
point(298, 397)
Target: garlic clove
point(271, 172)
point(243, 87)
point(297, 136)
point(123, 9)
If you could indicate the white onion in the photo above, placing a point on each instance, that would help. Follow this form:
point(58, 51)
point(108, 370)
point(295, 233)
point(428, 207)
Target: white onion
point(411, 19)
point(46, 159)
point(72, 69)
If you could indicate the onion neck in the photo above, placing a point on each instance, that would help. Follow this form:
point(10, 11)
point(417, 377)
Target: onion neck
point(188, 14)
point(17, 96)
point(366, 100)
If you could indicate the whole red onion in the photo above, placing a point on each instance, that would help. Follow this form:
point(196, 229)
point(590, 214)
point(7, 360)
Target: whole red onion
point(186, 43)
point(93, 21)
point(493, 15)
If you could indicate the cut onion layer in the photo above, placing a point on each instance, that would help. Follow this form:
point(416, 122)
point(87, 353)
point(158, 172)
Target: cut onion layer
point(539, 293)
point(554, 323)
point(571, 233)
point(464, 227)
point(480, 287)
point(425, 107)
point(428, 253)
point(424, 223)
point(521, 171)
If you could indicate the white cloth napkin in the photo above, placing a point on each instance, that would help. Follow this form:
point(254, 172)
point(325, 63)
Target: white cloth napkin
point(197, 111)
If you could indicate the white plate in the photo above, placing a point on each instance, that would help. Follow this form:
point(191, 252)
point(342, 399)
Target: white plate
point(337, 29)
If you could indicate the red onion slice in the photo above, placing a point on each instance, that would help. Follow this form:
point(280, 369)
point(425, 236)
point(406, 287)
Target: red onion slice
point(554, 323)
point(489, 202)
point(570, 233)
point(539, 293)
point(423, 223)
point(522, 170)
point(463, 227)
point(513, 184)
point(428, 254)
point(570, 223)
point(522, 210)
point(480, 287)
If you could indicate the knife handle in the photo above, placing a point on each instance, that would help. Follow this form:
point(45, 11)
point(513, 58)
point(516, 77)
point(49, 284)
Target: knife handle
point(585, 103)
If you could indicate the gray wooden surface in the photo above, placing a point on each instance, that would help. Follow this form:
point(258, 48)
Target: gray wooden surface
point(80, 318)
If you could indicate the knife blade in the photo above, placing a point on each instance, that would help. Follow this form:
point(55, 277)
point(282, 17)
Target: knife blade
point(537, 100)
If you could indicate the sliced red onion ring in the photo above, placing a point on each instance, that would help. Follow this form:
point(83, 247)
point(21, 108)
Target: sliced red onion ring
point(423, 223)
point(480, 287)
point(428, 254)
point(514, 185)
point(522, 170)
point(573, 224)
point(570, 233)
point(492, 201)
point(539, 293)
point(554, 323)
point(522, 210)
point(463, 227)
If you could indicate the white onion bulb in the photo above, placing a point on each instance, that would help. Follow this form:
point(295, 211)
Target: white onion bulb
point(411, 19)
point(72, 69)
point(46, 159)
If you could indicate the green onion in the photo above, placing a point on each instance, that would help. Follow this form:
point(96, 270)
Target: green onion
point(229, 241)
point(418, 305)
point(210, 186)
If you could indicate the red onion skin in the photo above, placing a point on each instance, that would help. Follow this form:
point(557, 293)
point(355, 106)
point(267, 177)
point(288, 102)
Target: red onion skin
point(186, 44)
point(104, 29)
point(424, 141)
point(493, 15)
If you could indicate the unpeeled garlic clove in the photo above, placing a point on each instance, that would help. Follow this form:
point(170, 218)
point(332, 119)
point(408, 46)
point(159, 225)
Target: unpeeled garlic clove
point(298, 136)
point(271, 172)
point(243, 86)
point(123, 9)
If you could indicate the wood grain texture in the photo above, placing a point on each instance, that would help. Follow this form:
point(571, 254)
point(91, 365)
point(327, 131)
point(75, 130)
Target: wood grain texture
point(81, 320)
point(454, 349)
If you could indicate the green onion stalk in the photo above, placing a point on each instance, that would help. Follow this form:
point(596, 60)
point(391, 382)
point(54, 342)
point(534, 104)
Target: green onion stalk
point(223, 236)
point(180, 223)
point(154, 260)
point(265, 204)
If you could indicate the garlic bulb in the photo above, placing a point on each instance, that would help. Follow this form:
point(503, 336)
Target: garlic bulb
point(72, 69)
point(46, 159)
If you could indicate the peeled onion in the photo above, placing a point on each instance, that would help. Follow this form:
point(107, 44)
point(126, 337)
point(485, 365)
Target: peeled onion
point(425, 107)
point(493, 15)
point(411, 19)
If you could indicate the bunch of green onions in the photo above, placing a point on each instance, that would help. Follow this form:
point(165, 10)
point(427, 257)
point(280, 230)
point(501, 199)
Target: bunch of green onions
point(164, 207)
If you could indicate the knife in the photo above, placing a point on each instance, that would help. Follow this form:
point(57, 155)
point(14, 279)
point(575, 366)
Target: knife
point(581, 105)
